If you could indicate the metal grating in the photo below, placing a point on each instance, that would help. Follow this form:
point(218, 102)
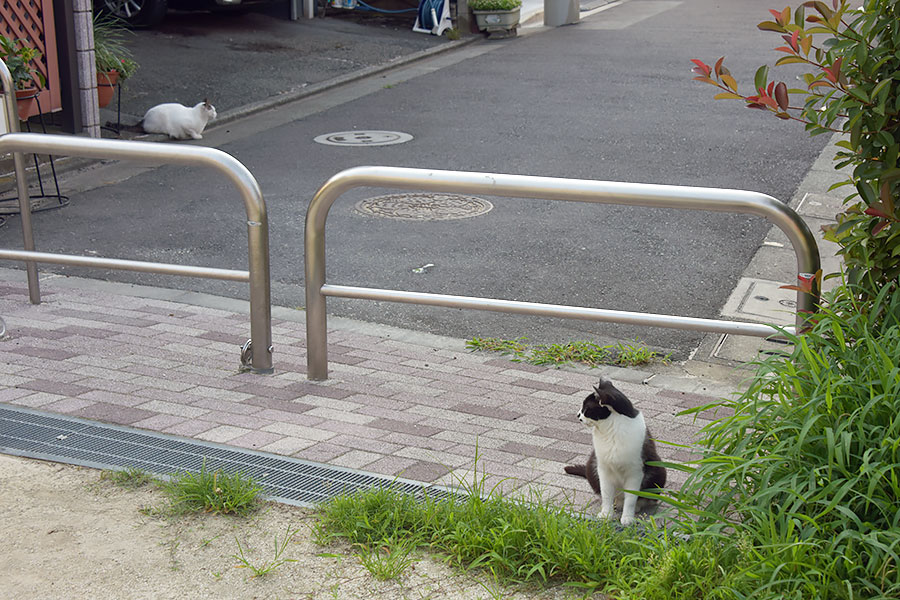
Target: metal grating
point(33, 434)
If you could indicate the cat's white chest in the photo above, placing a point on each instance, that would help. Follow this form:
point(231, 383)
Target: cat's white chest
point(618, 442)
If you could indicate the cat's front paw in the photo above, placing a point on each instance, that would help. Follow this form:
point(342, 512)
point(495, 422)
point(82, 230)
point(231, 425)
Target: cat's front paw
point(626, 520)
point(605, 513)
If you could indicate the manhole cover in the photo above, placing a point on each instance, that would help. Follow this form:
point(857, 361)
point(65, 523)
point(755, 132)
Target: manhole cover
point(424, 207)
point(363, 138)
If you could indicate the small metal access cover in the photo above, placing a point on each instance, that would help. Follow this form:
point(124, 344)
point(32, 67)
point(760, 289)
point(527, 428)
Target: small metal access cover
point(424, 207)
point(363, 138)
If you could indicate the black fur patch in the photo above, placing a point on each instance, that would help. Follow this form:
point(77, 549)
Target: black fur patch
point(607, 394)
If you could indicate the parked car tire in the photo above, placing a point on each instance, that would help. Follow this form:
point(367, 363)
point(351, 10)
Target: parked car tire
point(136, 13)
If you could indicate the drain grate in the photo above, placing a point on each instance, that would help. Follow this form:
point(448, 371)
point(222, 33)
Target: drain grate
point(424, 207)
point(33, 434)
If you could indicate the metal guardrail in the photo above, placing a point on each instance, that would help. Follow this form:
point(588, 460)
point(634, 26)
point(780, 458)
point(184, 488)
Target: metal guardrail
point(551, 188)
point(257, 352)
point(12, 126)
point(258, 356)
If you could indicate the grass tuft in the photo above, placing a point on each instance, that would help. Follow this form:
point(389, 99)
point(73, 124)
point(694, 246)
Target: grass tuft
point(581, 352)
point(266, 567)
point(387, 560)
point(130, 478)
point(531, 541)
point(212, 491)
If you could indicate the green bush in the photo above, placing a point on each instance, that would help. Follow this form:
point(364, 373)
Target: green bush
point(494, 4)
point(807, 468)
point(852, 86)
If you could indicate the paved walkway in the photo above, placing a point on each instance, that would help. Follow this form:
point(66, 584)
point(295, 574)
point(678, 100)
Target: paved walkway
point(397, 403)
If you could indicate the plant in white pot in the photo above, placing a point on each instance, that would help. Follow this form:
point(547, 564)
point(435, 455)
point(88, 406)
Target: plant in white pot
point(499, 18)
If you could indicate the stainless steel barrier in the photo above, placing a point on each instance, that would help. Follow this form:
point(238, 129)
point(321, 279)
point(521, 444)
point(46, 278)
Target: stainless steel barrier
point(257, 353)
point(551, 188)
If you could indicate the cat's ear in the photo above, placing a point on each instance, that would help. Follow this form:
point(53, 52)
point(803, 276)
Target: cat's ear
point(598, 389)
point(206, 103)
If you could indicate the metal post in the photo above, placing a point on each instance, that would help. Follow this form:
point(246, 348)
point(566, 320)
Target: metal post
point(551, 188)
point(237, 173)
point(12, 125)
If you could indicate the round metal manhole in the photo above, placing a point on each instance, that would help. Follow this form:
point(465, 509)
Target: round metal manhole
point(363, 138)
point(424, 207)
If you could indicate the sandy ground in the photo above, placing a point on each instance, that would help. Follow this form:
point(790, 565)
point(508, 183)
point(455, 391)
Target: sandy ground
point(68, 533)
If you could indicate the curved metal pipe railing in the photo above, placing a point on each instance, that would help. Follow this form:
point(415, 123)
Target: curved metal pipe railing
point(12, 126)
point(552, 188)
point(227, 165)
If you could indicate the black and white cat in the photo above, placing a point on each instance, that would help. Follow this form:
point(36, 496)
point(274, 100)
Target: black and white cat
point(622, 449)
point(179, 121)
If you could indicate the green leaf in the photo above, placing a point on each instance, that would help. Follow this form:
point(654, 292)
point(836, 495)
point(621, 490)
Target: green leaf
point(862, 54)
point(761, 77)
point(881, 87)
point(867, 192)
point(835, 186)
point(786, 60)
point(770, 26)
point(858, 93)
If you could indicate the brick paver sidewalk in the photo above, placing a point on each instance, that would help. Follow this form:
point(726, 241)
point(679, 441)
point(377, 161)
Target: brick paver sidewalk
point(391, 406)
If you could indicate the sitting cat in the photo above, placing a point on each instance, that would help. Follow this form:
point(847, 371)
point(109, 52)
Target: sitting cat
point(622, 449)
point(178, 121)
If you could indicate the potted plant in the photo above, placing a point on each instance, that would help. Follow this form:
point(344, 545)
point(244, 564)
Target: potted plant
point(497, 17)
point(20, 60)
point(113, 60)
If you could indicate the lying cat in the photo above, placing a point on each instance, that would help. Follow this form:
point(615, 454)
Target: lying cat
point(178, 121)
point(622, 449)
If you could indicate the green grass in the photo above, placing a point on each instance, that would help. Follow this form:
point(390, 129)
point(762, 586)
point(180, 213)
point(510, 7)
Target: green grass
point(388, 559)
point(807, 470)
point(212, 491)
point(260, 569)
point(533, 541)
point(580, 352)
point(130, 478)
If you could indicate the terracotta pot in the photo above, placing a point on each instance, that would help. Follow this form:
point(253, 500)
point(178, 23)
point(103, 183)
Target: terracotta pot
point(26, 102)
point(106, 87)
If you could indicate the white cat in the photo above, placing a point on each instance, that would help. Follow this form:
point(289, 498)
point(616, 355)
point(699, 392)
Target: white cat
point(179, 121)
point(622, 449)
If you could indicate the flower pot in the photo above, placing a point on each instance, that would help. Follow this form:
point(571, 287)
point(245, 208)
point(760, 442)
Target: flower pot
point(497, 20)
point(106, 87)
point(26, 102)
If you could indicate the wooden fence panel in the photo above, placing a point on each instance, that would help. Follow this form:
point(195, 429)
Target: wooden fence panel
point(32, 21)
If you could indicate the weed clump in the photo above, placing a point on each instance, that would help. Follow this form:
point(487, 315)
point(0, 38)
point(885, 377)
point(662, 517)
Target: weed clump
point(212, 491)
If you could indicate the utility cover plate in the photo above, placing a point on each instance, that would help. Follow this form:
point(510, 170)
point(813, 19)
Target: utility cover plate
point(423, 207)
point(363, 138)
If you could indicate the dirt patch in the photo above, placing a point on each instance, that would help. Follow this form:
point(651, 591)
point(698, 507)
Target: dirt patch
point(70, 534)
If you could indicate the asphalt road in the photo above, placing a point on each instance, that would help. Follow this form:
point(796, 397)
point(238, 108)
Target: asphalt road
point(610, 98)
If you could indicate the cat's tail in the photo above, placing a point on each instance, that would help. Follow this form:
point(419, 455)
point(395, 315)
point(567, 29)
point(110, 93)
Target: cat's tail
point(579, 470)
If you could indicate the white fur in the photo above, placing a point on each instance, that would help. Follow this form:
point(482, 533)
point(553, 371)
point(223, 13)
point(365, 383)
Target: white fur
point(618, 442)
point(178, 121)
